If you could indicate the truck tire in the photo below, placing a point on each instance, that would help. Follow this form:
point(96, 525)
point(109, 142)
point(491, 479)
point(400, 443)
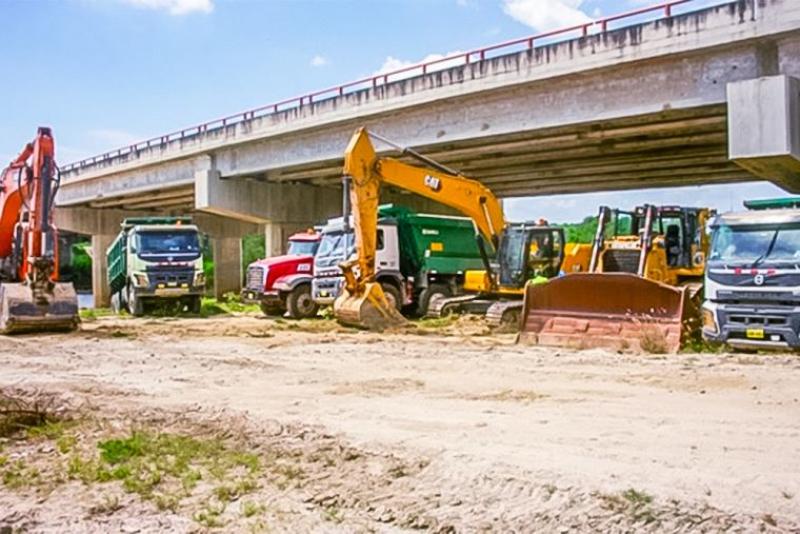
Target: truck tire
point(299, 303)
point(196, 305)
point(135, 304)
point(272, 309)
point(433, 291)
point(392, 295)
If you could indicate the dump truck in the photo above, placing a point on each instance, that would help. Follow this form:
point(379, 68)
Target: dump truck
point(156, 260)
point(643, 284)
point(752, 292)
point(282, 284)
point(32, 298)
point(420, 257)
point(505, 267)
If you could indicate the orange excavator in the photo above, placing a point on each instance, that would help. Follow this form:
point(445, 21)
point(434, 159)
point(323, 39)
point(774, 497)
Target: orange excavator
point(31, 297)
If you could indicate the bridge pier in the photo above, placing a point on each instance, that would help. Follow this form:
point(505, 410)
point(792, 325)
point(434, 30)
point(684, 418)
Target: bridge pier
point(100, 290)
point(227, 254)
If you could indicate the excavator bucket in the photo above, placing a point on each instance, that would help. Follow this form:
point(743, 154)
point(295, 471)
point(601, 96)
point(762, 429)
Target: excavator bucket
point(21, 311)
point(370, 310)
point(613, 310)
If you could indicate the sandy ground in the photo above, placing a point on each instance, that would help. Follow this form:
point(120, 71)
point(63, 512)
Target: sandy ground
point(454, 430)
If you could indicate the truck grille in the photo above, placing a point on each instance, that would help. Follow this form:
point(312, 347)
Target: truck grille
point(255, 278)
point(621, 261)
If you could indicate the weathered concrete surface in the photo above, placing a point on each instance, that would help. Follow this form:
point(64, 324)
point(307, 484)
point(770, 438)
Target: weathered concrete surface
point(765, 127)
point(100, 289)
point(638, 107)
point(227, 254)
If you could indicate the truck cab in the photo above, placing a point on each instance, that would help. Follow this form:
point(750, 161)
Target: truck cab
point(156, 259)
point(752, 287)
point(338, 244)
point(282, 284)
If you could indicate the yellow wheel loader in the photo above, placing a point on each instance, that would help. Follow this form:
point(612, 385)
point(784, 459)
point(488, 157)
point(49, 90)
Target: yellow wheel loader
point(519, 252)
point(641, 290)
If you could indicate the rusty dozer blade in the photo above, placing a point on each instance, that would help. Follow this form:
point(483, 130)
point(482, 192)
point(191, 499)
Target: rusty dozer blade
point(21, 312)
point(613, 310)
point(370, 310)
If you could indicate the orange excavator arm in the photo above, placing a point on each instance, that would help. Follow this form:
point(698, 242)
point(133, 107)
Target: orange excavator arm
point(28, 186)
point(31, 298)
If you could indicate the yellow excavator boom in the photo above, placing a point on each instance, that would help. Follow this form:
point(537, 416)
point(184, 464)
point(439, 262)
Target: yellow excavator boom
point(363, 302)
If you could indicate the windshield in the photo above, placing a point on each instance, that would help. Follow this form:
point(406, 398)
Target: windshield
point(168, 242)
point(512, 256)
point(755, 244)
point(334, 247)
point(302, 247)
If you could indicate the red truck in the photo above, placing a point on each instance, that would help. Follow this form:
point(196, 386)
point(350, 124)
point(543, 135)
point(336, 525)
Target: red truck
point(282, 284)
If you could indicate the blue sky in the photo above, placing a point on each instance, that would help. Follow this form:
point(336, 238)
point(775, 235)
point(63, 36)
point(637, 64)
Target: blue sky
point(106, 73)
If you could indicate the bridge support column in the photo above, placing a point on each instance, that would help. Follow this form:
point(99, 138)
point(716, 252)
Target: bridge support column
point(764, 128)
point(100, 289)
point(227, 252)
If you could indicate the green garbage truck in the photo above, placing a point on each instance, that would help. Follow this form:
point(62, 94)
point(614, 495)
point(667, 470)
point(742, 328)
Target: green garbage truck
point(419, 258)
point(156, 260)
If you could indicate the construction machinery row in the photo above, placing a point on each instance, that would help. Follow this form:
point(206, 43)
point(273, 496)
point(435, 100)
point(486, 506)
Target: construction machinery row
point(640, 279)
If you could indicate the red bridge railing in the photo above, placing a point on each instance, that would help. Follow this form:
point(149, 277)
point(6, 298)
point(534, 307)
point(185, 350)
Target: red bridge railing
point(462, 58)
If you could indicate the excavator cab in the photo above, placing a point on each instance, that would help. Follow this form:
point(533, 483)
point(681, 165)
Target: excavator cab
point(527, 252)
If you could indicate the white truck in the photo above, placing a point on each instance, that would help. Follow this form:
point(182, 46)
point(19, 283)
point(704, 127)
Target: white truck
point(752, 285)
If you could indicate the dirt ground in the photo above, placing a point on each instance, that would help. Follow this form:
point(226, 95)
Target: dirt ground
point(440, 429)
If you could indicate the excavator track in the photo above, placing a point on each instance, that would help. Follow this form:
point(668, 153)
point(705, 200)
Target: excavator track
point(446, 306)
point(504, 313)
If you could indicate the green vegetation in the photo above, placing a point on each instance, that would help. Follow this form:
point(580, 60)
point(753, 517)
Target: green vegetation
point(582, 232)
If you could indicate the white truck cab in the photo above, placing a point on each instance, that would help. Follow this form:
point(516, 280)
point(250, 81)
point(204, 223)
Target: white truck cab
point(752, 283)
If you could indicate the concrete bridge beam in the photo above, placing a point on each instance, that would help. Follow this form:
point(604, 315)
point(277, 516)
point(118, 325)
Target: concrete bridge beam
point(764, 117)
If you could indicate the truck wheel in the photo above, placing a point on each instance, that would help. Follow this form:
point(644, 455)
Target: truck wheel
point(135, 304)
point(272, 309)
point(430, 295)
point(196, 305)
point(392, 295)
point(300, 304)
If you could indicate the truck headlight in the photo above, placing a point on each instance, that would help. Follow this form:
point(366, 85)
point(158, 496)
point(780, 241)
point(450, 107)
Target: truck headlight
point(199, 278)
point(140, 280)
point(709, 321)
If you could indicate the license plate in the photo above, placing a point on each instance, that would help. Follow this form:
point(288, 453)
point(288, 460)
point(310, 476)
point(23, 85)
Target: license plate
point(755, 333)
point(251, 296)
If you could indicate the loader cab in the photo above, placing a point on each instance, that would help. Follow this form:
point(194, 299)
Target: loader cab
point(528, 251)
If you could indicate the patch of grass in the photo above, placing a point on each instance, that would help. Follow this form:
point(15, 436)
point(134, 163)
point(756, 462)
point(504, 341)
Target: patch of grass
point(637, 498)
point(210, 515)
point(211, 307)
point(438, 322)
point(332, 514)
point(92, 314)
point(250, 508)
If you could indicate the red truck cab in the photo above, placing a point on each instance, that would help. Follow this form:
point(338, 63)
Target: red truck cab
point(282, 284)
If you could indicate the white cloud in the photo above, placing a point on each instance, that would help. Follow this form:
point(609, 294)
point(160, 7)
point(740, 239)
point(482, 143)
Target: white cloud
point(391, 64)
point(543, 15)
point(319, 61)
point(175, 7)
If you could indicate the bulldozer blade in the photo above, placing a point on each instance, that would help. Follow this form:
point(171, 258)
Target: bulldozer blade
point(370, 310)
point(614, 310)
point(20, 312)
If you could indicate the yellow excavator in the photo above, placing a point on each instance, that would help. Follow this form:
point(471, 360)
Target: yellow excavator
point(642, 285)
point(519, 251)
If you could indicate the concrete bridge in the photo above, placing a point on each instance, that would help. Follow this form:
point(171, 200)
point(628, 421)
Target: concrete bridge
point(698, 97)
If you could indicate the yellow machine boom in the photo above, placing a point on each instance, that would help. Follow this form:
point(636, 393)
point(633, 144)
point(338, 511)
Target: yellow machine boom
point(363, 302)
